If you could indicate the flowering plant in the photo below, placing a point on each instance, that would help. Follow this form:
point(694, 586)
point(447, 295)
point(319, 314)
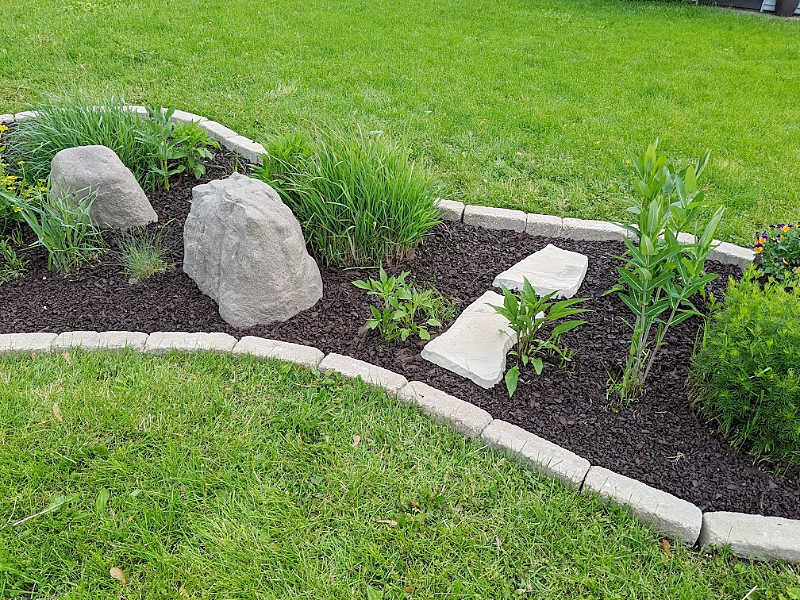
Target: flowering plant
point(778, 251)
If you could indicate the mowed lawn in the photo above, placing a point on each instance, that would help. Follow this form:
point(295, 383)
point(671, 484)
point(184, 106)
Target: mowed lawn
point(520, 103)
point(209, 477)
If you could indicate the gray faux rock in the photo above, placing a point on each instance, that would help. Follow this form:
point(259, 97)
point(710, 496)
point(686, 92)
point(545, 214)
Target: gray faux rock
point(244, 248)
point(119, 200)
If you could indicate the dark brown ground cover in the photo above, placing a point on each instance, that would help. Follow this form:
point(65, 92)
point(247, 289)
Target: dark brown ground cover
point(658, 440)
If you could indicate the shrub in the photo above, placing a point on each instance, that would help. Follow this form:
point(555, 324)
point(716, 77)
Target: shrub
point(661, 274)
point(778, 251)
point(359, 199)
point(746, 376)
point(63, 227)
point(147, 146)
point(143, 254)
point(528, 316)
point(405, 311)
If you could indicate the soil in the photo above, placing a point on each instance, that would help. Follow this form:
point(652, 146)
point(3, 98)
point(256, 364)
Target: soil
point(658, 440)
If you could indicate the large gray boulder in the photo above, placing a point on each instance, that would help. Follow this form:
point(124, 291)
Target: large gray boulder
point(244, 248)
point(119, 200)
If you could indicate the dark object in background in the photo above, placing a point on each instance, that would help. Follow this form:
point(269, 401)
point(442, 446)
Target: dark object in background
point(785, 8)
point(746, 4)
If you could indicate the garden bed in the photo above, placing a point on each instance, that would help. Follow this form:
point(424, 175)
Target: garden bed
point(658, 440)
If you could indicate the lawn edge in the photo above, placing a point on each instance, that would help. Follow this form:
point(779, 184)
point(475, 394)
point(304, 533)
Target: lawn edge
point(747, 535)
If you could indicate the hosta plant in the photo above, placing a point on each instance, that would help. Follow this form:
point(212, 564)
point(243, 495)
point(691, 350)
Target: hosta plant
point(405, 311)
point(530, 317)
point(661, 273)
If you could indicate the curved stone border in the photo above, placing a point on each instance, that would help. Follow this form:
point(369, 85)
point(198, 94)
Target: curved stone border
point(752, 536)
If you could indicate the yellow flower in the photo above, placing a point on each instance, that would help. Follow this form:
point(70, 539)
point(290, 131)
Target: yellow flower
point(3, 128)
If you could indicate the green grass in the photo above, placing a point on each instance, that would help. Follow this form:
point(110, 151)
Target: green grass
point(239, 479)
point(521, 103)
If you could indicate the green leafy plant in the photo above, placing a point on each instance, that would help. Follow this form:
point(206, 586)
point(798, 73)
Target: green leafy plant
point(778, 251)
point(167, 153)
point(12, 266)
point(195, 145)
point(662, 273)
point(529, 316)
point(746, 375)
point(360, 200)
point(405, 311)
point(143, 254)
point(63, 227)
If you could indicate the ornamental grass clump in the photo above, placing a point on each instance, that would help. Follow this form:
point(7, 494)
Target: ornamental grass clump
point(746, 376)
point(153, 148)
point(62, 226)
point(778, 252)
point(661, 274)
point(143, 254)
point(360, 200)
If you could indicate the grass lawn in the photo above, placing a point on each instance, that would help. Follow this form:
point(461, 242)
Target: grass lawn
point(520, 103)
point(218, 477)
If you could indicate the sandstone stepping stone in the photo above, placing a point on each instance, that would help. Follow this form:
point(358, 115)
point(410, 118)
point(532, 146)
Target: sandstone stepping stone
point(475, 346)
point(549, 270)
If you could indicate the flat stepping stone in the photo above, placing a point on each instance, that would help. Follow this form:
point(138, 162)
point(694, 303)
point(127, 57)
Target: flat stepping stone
point(475, 346)
point(549, 270)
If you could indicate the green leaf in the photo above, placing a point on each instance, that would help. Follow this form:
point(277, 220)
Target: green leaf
point(423, 334)
point(101, 502)
point(566, 326)
point(512, 379)
point(538, 365)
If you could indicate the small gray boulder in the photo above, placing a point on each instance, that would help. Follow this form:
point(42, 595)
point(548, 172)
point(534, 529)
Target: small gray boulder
point(244, 248)
point(119, 200)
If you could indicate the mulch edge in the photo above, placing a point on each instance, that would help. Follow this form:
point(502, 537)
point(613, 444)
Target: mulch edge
point(748, 535)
